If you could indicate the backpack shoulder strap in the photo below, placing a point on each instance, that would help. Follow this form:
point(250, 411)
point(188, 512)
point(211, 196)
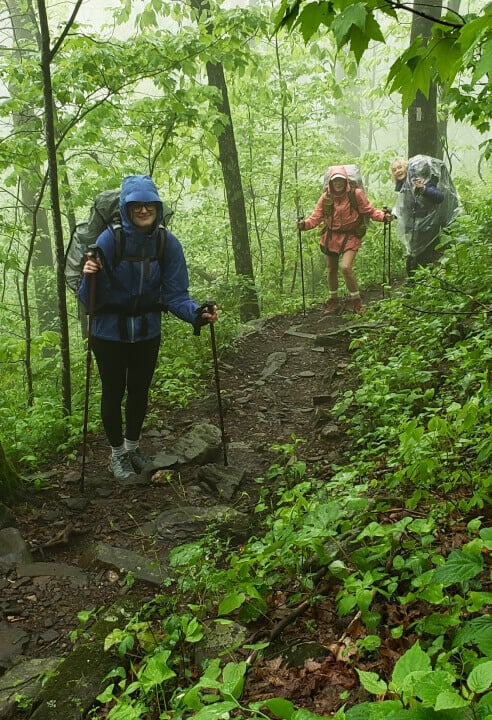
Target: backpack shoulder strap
point(119, 242)
point(119, 239)
point(161, 243)
point(353, 199)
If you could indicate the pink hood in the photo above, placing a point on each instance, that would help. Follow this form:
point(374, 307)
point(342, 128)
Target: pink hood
point(339, 170)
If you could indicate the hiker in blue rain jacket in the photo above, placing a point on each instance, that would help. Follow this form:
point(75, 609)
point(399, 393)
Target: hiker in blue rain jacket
point(126, 325)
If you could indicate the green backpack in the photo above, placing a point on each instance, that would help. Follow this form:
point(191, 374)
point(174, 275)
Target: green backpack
point(104, 213)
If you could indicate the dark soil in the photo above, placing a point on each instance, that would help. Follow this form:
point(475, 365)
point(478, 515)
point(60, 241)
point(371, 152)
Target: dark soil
point(258, 413)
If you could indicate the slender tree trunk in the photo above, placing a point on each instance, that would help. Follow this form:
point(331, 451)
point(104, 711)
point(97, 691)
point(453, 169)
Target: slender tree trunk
point(281, 241)
point(10, 481)
point(25, 122)
point(235, 198)
point(442, 123)
point(423, 134)
point(49, 115)
point(231, 172)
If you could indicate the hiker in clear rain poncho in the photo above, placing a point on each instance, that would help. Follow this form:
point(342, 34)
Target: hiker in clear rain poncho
point(343, 211)
point(126, 329)
point(427, 202)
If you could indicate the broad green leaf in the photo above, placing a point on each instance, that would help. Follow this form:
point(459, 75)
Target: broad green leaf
point(372, 682)
point(303, 714)
point(449, 699)
point(429, 686)
point(414, 660)
point(193, 631)
point(486, 535)
point(231, 603)
point(344, 21)
point(359, 42)
point(312, 16)
point(459, 567)
point(484, 706)
point(233, 677)
point(125, 711)
point(192, 698)
point(373, 711)
point(155, 671)
point(473, 31)
point(216, 711)
point(477, 600)
point(478, 632)
point(280, 707)
point(480, 678)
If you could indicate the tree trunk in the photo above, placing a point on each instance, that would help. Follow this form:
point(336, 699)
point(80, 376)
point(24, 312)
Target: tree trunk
point(281, 240)
point(423, 133)
point(25, 122)
point(10, 482)
point(49, 124)
point(236, 206)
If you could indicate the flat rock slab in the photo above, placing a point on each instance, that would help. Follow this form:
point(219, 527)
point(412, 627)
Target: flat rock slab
point(273, 363)
point(190, 522)
point(126, 561)
point(24, 679)
point(73, 686)
point(13, 640)
point(298, 333)
point(224, 480)
point(52, 569)
point(200, 446)
point(13, 548)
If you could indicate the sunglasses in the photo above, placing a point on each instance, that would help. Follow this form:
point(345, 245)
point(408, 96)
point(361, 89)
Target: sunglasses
point(138, 207)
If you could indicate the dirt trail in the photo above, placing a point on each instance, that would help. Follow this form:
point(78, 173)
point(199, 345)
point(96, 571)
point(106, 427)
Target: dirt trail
point(275, 383)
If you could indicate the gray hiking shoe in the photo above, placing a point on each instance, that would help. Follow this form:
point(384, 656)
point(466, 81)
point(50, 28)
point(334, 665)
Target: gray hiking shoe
point(121, 467)
point(138, 459)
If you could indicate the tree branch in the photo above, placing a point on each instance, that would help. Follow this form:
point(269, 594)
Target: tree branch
point(425, 15)
point(66, 29)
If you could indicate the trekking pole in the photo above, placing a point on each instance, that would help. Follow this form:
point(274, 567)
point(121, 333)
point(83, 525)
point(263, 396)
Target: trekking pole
point(385, 233)
point(301, 263)
point(92, 302)
point(208, 306)
point(389, 254)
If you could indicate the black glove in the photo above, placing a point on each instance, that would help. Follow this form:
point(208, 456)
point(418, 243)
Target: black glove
point(199, 321)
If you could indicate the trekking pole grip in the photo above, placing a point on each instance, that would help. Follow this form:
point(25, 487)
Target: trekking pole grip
point(207, 306)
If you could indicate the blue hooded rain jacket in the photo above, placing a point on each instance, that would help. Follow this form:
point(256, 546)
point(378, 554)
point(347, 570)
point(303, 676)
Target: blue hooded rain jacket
point(131, 295)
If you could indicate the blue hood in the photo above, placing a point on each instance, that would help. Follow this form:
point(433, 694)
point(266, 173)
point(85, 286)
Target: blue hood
point(138, 188)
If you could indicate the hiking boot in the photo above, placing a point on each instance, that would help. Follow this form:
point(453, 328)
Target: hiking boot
point(332, 306)
point(121, 467)
point(357, 306)
point(138, 459)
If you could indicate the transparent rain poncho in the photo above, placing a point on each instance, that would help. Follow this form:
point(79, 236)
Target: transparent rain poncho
point(420, 218)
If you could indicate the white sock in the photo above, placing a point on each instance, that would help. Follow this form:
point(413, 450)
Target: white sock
point(131, 444)
point(355, 296)
point(333, 294)
point(118, 451)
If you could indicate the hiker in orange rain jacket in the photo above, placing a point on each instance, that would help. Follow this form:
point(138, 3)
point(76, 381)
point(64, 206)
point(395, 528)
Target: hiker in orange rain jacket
point(344, 211)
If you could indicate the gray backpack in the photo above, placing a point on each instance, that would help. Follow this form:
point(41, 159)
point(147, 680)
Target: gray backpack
point(104, 213)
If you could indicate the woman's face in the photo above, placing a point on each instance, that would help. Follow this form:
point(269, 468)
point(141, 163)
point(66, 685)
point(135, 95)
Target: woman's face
point(339, 184)
point(399, 171)
point(143, 215)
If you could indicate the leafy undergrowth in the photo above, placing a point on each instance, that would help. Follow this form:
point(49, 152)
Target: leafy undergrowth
point(394, 548)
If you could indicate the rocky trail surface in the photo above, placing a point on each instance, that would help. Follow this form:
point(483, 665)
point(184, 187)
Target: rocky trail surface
point(65, 552)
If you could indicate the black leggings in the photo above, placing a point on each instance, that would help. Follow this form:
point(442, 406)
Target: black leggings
point(125, 366)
